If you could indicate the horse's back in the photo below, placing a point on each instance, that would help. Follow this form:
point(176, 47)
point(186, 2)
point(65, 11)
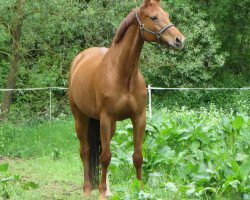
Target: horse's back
point(93, 55)
point(81, 83)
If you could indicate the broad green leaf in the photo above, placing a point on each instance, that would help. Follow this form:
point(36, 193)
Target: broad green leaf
point(234, 183)
point(4, 180)
point(135, 185)
point(155, 174)
point(145, 195)
point(171, 186)
point(238, 122)
point(200, 135)
point(150, 128)
point(192, 167)
point(30, 185)
point(195, 145)
point(245, 167)
point(199, 191)
point(226, 124)
point(190, 191)
point(201, 178)
point(246, 196)
point(235, 166)
point(241, 157)
point(4, 167)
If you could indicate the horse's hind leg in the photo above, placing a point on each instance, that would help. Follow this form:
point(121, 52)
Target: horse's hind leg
point(81, 126)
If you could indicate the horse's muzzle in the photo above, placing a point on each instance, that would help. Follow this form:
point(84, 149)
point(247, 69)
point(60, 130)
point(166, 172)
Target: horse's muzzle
point(179, 42)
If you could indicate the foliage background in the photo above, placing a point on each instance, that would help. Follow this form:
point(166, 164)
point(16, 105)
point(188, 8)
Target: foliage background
point(53, 32)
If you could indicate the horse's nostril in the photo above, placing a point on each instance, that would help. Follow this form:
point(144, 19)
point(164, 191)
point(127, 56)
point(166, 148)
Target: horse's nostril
point(178, 40)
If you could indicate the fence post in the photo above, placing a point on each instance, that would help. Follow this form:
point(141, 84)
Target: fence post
point(50, 103)
point(150, 101)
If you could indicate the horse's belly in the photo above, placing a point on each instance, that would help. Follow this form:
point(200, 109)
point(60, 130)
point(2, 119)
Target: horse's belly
point(83, 93)
point(83, 81)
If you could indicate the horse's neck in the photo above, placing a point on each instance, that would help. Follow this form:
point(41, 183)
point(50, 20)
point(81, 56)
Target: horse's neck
point(127, 53)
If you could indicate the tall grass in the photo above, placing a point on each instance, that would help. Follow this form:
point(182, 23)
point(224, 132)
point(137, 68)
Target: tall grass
point(33, 140)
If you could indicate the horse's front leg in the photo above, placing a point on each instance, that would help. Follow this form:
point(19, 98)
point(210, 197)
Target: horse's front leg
point(108, 191)
point(139, 124)
point(106, 125)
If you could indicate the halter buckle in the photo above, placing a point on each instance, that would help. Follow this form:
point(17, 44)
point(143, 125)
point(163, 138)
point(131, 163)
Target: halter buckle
point(142, 27)
point(158, 36)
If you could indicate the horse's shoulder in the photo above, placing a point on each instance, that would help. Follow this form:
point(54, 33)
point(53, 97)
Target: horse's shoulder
point(103, 50)
point(96, 51)
point(90, 53)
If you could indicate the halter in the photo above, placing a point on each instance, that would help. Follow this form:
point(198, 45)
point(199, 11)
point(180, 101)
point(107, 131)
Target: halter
point(156, 34)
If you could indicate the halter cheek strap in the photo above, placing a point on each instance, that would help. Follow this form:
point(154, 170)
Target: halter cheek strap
point(156, 34)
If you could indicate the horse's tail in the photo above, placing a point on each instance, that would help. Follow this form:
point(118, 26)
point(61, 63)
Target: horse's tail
point(94, 141)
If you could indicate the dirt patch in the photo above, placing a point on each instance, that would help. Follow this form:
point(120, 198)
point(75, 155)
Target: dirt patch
point(9, 160)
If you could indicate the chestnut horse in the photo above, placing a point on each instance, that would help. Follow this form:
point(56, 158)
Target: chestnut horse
point(106, 86)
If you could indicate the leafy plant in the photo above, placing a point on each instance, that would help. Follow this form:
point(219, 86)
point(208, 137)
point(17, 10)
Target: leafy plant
point(195, 154)
point(188, 154)
point(7, 179)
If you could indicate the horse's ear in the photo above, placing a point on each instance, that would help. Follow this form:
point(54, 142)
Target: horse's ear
point(146, 2)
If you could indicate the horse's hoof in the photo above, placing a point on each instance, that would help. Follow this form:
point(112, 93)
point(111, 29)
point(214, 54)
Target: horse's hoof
point(87, 194)
point(109, 193)
point(102, 197)
point(87, 189)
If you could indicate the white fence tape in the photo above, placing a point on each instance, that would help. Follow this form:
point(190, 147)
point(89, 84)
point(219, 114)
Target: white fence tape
point(33, 89)
point(149, 88)
point(159, 88)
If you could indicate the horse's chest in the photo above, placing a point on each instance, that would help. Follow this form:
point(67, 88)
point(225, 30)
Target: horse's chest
point(124, 105)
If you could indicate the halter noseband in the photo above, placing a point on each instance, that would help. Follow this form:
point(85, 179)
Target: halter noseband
point(156, 34)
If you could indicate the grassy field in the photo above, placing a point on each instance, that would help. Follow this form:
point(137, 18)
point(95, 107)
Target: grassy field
point(189, 154)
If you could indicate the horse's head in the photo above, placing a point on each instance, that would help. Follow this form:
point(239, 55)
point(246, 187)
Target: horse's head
point(156, 27)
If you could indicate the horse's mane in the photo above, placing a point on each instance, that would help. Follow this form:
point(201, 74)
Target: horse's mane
point(124, 26)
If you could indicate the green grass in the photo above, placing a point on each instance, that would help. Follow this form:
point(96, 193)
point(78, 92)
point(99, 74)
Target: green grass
point(38, 139)
point(189, 154)
point(60, 179)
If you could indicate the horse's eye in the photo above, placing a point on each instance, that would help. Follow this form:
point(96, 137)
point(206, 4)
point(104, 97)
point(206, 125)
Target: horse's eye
point(153, 18)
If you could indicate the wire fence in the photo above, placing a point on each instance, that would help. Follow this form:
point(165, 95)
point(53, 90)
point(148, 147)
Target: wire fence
point(149, 88)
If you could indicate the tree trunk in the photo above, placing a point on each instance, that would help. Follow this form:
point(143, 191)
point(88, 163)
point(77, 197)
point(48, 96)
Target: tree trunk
point(15, 31)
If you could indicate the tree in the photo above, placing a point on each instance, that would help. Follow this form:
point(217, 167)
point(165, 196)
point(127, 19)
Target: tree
point(37, 32)
point(232, 19)
point(14, 27)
